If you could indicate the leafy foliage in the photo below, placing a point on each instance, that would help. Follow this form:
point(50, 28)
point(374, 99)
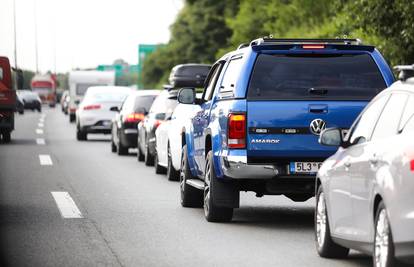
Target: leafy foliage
point(205, 30)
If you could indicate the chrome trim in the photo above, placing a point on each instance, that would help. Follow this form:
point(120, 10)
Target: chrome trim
point(130, 131)
point(236, 167)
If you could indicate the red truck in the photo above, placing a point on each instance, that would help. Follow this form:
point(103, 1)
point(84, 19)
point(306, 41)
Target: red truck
point(45, 86)
point(7, 100)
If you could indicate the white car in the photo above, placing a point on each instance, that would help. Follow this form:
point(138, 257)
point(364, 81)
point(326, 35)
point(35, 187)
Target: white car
point(365, 191)
point(94, 114)
point(169, 141)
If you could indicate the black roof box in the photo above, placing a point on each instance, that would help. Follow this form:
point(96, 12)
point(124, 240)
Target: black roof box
point(189, 75)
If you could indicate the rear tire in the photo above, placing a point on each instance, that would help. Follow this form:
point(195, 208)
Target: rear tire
point(72, 118)
point(6, 135)
point(122, 150)
point(172, 174)
point(384, 243)
point(113, 146)
point(190, 197)
point(325, 246)
point(81, 135)
point(158, 168)
point(149, 159)
point(140, 155)
point(212, 212)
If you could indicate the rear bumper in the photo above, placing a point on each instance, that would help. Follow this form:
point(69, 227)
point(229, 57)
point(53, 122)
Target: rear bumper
point(98, 128)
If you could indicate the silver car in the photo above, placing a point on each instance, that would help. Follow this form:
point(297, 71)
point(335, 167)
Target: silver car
point(365, 192)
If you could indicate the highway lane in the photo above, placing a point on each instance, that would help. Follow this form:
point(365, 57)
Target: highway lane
point(129, 215)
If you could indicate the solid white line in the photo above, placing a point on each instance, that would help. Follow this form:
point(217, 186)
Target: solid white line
point(45, 160)
point(66, 205)
point(40, 125)
point(39, 131)
point(40, 141)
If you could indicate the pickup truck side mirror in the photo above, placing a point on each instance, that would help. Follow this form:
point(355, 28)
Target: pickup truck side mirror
point(115, 108)
point(331, 137)
point(187, 96)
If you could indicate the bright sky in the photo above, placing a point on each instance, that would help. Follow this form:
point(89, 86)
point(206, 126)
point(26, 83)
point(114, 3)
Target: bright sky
point(84, 33)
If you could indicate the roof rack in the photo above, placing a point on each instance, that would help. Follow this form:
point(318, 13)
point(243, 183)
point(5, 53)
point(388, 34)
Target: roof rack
point(270, 41)
point(406, 71)
point(243, 45)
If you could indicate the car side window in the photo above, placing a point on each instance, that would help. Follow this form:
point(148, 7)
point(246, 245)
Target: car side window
point(362, 130)
point(390, 117)
point(408, 113)
point(213, 76)
point(231, 75)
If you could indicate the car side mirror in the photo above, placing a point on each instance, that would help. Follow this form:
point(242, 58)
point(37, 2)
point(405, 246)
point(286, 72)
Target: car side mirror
point(187, 96)
point(115, 108)
point(331, 137)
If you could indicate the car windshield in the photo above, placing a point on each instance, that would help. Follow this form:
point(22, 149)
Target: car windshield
point(330, 77)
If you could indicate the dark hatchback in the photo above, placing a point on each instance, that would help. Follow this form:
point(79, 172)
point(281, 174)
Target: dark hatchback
point(124, 125)
point(161, 110)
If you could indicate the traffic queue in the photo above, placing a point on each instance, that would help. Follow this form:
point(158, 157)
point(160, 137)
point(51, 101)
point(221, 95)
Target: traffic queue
point(302, 118)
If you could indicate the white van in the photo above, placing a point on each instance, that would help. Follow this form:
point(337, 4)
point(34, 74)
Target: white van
point(80, 81)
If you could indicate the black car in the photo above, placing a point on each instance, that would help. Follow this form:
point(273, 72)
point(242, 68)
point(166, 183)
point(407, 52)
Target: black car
point(31, 100)
point(124, 125)
point(161, 110)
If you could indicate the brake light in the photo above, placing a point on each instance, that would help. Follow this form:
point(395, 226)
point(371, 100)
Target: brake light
point(91, 107)
point(157, 123)
point(313, 46)
point(412, 165)
point(134, 117)
point(237, 131)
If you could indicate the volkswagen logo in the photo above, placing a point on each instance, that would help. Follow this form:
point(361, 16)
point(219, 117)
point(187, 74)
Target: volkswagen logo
point(317, 126)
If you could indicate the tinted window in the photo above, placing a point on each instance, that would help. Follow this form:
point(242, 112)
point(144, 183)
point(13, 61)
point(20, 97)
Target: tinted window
point(341, 77)
point(231, 75)
point(144, 102)
point(390, 117)
point(366, 122)
point(208, 92)
point(408, 112)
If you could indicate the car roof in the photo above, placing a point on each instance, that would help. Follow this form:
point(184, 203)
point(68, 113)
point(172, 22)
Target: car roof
point(108, 88)
point(146, 92)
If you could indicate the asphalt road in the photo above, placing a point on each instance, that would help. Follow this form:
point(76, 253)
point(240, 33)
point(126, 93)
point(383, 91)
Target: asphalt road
point(129, 215)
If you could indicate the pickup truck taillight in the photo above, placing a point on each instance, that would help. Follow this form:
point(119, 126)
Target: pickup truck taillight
point(236, 137)
point(412, 165)
point(134, 117)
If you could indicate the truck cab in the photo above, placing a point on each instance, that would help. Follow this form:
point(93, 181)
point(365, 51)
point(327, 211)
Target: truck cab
point(261, 113)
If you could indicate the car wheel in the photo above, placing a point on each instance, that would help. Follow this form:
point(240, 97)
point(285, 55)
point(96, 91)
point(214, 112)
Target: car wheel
point(72, 117)
point(325, 246)
point(140, 155)
point(6, 135)
point(122, 150)
point(212, 212)
point(384, 244)
point(172, 174)
point(149, 159)
point(39, 109)
point(190, 197)
point(21, 112)
point(113, 146)
point(81, 135)
point(158, 168)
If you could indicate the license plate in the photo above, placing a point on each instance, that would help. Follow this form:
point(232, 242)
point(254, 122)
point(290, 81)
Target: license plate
point(305, 167)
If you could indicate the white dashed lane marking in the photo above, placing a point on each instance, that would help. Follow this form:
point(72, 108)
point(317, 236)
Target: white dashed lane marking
point(40, 125)
point(40, 141)
point(45, 160)
point(39, 131)
point(66, 205)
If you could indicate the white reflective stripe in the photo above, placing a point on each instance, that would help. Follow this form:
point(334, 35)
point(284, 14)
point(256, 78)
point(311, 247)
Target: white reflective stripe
point(66, 205)
point(40, 141)
point(45, 160)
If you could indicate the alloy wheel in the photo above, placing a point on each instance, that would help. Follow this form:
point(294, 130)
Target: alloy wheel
point(382, 234)
point(207, 185)
point(321, 220)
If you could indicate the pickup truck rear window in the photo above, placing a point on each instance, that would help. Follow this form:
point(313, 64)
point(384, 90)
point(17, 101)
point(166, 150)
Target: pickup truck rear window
point(321, 77)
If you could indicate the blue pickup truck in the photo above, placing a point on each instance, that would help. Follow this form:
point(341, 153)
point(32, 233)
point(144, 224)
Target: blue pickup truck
point(261, 113)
